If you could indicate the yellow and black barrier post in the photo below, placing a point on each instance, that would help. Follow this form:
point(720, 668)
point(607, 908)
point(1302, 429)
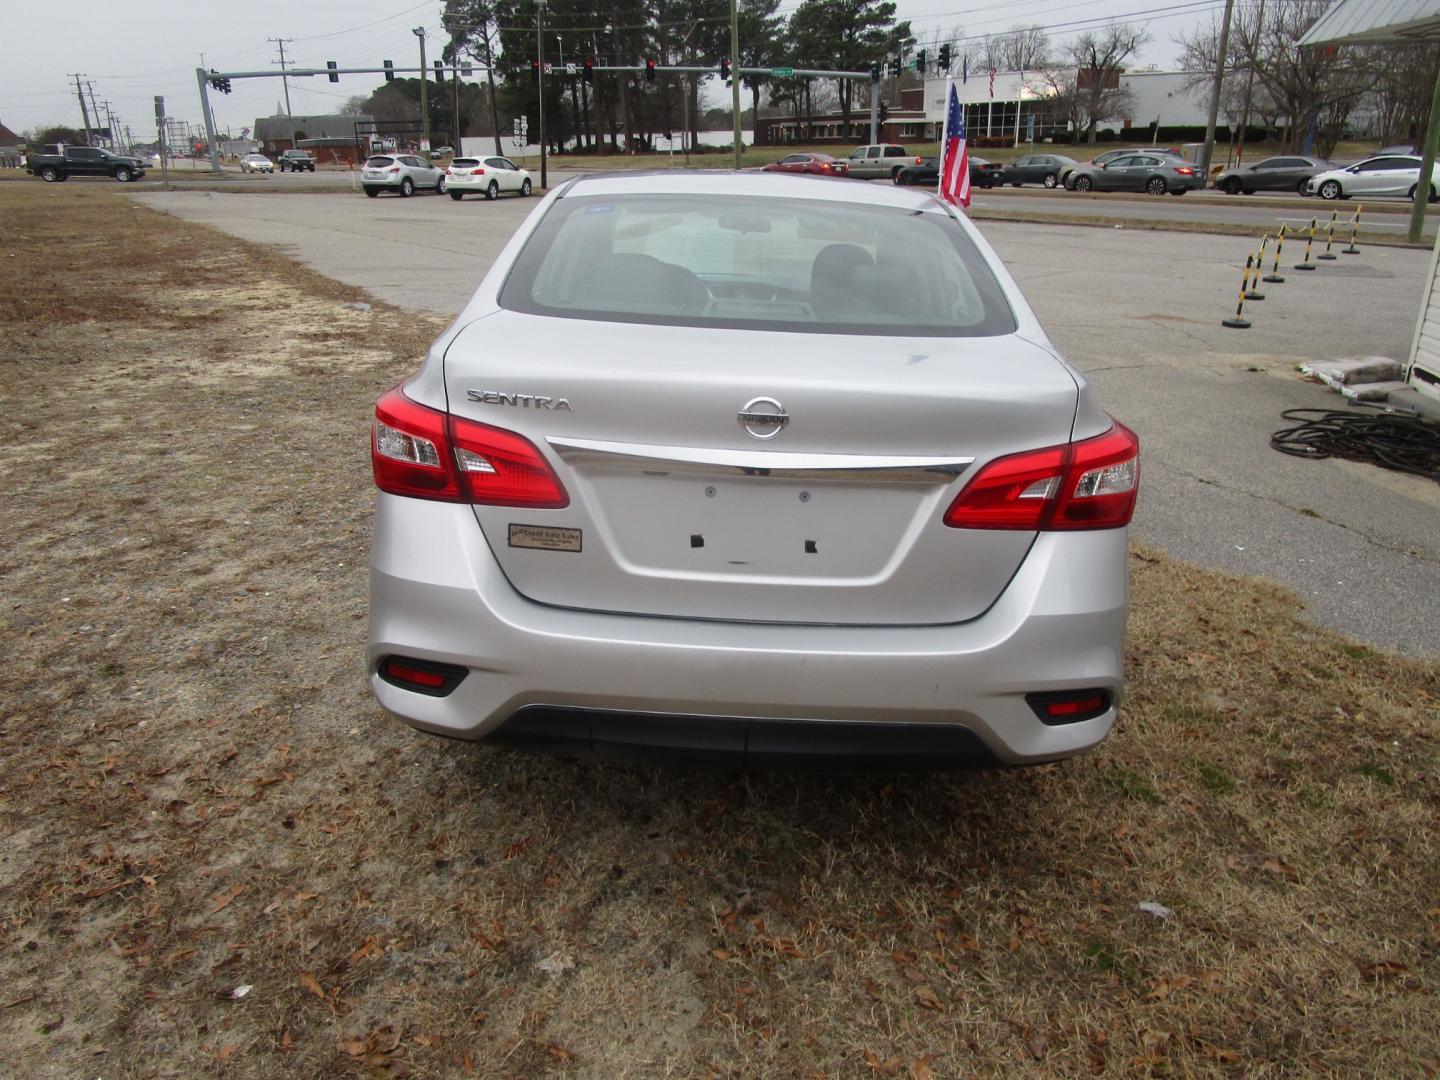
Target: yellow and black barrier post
point(1274, 276)
point(1309, 246)
point(1253, 277)
point(1239, 322)
point(1329, 238)
point(1354, 225)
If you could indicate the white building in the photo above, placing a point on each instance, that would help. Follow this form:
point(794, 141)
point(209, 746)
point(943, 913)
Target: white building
point(1163, 97)
point(992, 104)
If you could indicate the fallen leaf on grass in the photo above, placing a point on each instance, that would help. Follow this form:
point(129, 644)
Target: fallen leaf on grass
point(220, 901)
point(559, 1053)
point(312, 984)
point(1383, 969)
point(1037, 1045)
point(227, 1052)
point(1285, 870)
point(927, 998)
point(1168, 984)
point(921, 1069)
point(887, 1067)
point(101, 890)
point(371, 946)
point(721, 954)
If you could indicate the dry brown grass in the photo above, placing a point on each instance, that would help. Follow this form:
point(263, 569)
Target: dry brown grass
point(199, 794)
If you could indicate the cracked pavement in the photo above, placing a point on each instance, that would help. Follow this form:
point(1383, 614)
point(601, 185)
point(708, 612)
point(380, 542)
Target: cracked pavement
point(1139, 313)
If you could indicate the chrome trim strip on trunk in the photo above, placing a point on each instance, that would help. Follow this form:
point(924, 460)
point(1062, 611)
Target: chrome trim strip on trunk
point(713, 460)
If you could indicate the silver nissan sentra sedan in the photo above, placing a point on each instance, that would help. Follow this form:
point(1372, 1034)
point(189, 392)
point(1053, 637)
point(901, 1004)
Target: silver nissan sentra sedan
point(751, 471)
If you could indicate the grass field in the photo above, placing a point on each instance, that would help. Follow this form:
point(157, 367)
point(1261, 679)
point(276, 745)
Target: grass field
point(220, 859)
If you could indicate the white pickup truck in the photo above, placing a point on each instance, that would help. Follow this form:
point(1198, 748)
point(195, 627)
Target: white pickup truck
point(878, 162)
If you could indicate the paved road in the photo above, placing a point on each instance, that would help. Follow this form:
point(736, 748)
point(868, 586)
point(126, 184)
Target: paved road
point(1264, 212)
point(1140, 313)
point(1259, 211)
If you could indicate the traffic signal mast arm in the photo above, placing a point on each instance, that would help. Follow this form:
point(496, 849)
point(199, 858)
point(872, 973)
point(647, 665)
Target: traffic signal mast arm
point(706, 69)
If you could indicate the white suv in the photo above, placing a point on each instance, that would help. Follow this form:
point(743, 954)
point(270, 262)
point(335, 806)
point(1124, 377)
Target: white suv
point(400, 172)
point(488, 176)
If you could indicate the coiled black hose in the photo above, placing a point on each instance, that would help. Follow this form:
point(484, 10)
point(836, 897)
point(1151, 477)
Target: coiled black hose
point(1391, 440)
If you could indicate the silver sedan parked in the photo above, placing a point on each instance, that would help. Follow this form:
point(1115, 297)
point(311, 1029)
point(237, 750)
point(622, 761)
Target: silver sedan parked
point(402, 173)
point(784, 473)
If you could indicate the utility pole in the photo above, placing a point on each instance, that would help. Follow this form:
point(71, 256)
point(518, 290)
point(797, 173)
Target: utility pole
point(83, 112)
point(282, 42)
point(1215, 95)
point(735, 78)
point(94, 109)
point(419, 32)
point(540, 85)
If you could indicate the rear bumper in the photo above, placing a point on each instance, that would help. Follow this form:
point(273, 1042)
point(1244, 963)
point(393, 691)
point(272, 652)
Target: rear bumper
point(437, 593)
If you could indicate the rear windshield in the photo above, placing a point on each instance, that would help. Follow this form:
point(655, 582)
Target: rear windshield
point(758, 263)
point(376, 162)
point(466, 162)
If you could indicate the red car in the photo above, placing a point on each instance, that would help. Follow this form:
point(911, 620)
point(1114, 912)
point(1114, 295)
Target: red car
point(815, 164)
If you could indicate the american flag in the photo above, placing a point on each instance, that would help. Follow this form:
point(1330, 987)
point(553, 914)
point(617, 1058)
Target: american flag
point(955, 155)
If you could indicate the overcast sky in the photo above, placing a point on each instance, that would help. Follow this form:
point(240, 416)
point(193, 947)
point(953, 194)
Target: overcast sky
point(131, 50)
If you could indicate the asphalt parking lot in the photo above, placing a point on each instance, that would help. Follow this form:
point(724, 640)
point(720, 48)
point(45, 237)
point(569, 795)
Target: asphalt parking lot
point(1138, 311)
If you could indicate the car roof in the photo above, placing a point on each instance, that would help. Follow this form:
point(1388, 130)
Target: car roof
point(763, 184)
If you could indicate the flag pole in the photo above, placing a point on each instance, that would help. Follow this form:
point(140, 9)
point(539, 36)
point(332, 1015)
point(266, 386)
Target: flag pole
point(944, 138)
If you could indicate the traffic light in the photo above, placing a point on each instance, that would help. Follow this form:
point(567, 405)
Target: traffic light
point(590, 69)
point(535, 72)
point(725, 69)
point(895, 68)
point(875, 71)
point(332, 66)
point(884, 112)
point(920, 62)
point(439, 73)
point(389, 71)
point(943, 62)
point(649, 70)
point(219, 82)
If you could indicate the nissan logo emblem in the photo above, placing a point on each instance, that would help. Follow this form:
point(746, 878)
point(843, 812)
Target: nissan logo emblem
point(763, 417)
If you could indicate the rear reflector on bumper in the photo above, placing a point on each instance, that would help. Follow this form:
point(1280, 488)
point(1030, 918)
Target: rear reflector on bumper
point(1069, 706)
point(420, 676)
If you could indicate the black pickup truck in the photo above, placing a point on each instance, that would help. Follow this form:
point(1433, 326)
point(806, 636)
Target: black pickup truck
point(296, 161)
point(84, 161)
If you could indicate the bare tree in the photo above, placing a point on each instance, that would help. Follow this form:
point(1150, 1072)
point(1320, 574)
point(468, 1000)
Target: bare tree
point(1024, 48)
point(1301, 89)
point(1099, 58)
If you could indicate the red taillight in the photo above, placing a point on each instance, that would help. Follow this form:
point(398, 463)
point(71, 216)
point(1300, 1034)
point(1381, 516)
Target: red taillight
point(1185, 170)
point(395, 168)
point(919, 161)
point(1084, 485)
point(447, 170)
point(428, 454)
point(477, 172)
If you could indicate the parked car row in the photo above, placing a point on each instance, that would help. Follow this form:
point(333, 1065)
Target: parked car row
point(1158, 171)
point(405, 174)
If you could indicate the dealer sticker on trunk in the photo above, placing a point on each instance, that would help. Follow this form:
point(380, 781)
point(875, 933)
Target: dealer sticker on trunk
point(544, 537)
